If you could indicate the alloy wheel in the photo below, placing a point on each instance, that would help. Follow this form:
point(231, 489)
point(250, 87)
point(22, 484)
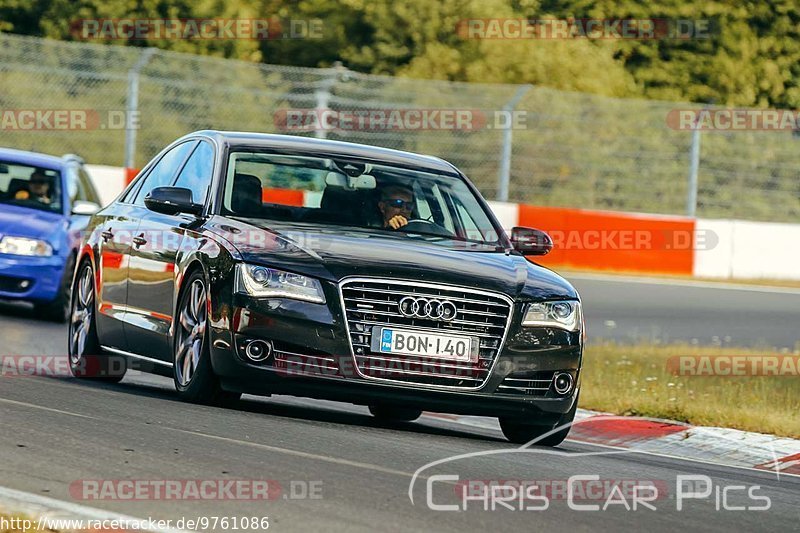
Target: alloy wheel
point(82, 316)
point(192, 322)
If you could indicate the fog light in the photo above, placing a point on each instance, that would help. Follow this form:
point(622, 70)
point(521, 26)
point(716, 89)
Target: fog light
point(563, 383)
point(258, 351)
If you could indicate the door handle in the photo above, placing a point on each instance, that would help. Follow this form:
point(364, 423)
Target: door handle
point(139, 241)
point(107, 235)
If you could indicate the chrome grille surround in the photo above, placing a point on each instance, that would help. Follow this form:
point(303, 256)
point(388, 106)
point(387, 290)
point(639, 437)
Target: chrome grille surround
point(536, 384)
point(369, 302)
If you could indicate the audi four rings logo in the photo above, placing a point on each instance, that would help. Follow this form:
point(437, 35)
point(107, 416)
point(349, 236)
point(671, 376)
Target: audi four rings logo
point(425, 308)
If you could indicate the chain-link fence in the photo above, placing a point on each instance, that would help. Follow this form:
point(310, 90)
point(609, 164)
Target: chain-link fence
point(566, 149)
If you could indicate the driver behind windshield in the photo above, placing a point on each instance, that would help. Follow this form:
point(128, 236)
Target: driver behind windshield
point(396, 205)
point(39, 188)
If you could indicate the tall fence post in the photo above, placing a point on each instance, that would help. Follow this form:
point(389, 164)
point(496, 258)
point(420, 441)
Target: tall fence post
point(504, 175)
point(132, 106)
point(694, 166)
point(322, 97)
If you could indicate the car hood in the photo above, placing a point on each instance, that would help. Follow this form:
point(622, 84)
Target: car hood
point(334, 253)
point(31, 223)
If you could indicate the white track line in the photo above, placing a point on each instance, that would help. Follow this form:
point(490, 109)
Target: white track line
point(644, 280)
point(36, 506)
point(492, 424)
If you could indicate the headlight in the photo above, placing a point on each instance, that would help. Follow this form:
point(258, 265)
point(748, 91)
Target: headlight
point(563, 315)
point(263, 282)
point(23, 246)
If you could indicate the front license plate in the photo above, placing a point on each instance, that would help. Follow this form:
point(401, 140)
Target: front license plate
point(424, 344)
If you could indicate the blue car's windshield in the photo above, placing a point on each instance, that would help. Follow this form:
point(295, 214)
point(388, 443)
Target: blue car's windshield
point(440, 208)
point(30, 186)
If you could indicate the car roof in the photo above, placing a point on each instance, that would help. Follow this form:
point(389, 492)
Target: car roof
point(35, 159)
point(313, 146)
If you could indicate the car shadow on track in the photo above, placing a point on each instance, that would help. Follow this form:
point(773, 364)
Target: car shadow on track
point(18, 310)
point(310, 412)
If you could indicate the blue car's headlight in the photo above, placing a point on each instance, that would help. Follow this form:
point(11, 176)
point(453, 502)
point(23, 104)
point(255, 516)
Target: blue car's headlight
point(564, 315)
point(25, 246)
point(263, 282)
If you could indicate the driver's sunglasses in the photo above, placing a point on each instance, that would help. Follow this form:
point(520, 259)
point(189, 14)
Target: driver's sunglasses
point(399, 203)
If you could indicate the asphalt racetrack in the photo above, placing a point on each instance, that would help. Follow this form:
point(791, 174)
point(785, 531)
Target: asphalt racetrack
point(331, 466)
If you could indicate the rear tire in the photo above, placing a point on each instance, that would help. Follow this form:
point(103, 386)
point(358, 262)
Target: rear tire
point(194, 377)
point(390, 413)
point(86, 358)
point(519, 432)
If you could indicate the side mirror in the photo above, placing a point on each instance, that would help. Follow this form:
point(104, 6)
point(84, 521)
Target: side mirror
point(529, 241)
point(84, 208)
point(171, 201)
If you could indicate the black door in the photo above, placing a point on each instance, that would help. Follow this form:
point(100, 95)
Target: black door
point(152, 275)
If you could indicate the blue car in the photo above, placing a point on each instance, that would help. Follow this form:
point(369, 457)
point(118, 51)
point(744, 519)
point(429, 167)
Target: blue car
point(45, 204)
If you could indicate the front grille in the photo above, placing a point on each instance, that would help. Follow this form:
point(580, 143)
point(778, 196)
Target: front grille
point(535, 384)
point(14, 285)
point(370, 303)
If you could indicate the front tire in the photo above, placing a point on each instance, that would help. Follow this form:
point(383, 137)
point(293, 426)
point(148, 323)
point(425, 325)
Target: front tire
point(59, 309)
point(194, 377)
point(519, 432)
point(86, 357)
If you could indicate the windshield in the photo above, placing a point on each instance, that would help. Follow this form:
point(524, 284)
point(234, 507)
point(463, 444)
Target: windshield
point(30, 186)
point(419, 205)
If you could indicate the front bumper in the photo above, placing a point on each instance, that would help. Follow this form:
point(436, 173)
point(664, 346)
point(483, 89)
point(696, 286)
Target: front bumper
point(36, 279)
point(317, 331)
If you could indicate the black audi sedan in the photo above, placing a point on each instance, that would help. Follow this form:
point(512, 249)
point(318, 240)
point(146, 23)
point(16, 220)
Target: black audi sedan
point(267, 264)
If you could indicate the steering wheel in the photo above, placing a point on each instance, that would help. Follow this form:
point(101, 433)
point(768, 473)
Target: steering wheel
point(426, 226)
point(26, 202)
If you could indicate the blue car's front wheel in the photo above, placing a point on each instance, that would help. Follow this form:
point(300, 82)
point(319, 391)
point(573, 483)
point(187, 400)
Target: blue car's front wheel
point(58, 310)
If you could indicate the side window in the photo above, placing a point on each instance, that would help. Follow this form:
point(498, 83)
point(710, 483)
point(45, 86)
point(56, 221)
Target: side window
point(133, 188)
point(73, 187)
point(86, 187)
point(471, 229)
point(162, 174)
point(447, 221)
point(196, 174)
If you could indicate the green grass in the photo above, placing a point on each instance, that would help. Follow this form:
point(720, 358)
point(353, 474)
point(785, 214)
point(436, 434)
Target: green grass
point(635, 380)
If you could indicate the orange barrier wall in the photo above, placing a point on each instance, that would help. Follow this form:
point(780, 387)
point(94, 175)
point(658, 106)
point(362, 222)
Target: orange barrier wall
point(283, 197)
point(599, 240)
point(274, 196)
point(130, 173)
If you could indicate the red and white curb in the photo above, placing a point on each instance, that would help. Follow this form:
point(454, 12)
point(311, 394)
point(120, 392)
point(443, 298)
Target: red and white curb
point(42, 510)
point(722, 446)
